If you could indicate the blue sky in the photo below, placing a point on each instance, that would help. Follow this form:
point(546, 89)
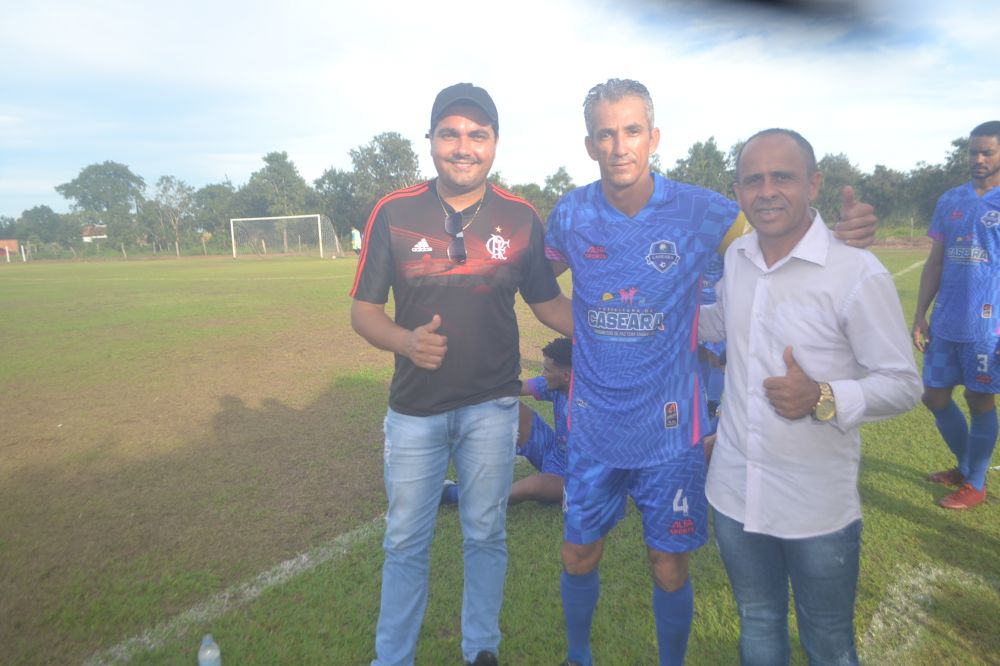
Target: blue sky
point(201, 90)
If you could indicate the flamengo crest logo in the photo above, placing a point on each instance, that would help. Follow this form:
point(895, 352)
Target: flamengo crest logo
point(991, 218)
point(662, 255)
point(497, 247)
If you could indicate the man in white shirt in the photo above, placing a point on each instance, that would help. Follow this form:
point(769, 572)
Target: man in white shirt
point(816, 346)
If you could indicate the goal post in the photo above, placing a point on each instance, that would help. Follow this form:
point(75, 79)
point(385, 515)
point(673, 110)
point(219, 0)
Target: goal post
point(285, 235)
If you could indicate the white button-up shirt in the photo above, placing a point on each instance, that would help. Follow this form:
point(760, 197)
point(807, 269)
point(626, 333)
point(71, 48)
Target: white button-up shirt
point(838, 309)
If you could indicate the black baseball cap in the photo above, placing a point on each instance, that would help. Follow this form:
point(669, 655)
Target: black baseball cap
point(468, 93)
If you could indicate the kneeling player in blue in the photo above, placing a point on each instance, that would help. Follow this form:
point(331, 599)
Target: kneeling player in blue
point(543, 446)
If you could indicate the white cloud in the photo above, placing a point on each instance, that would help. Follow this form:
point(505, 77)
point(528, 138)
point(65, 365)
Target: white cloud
point(203, 90)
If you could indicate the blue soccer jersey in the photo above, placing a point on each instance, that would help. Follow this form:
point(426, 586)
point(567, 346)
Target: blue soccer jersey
point(539, 390)
point(636, 399)
point(969, 296)
point(712, 274)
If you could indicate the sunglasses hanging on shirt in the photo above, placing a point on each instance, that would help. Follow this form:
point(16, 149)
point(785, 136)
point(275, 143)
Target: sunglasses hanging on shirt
point(455, 226)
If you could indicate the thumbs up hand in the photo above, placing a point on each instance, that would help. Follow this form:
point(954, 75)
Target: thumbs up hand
point(425, 347)
point(793, 395)
point(857, 220)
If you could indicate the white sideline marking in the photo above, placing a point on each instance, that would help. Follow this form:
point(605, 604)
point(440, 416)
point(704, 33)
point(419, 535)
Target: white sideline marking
point(233, 597)
point(909, 268)
point(900, 622)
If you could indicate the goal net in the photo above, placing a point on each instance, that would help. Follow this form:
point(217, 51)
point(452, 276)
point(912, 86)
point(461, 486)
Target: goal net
point(284, 235)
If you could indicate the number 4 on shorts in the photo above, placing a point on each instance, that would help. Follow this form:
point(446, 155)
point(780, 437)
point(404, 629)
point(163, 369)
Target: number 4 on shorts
point(680, 502)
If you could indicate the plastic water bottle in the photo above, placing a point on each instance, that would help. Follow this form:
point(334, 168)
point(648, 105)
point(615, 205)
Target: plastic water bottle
point(208, 653)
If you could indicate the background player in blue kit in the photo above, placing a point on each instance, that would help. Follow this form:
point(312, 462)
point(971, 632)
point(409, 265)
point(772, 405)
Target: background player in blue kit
point(543, 446)
point(962, 343)
point(638, 245)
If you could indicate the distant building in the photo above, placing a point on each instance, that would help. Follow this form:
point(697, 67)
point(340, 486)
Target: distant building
point(94, 232)
point(9, 247)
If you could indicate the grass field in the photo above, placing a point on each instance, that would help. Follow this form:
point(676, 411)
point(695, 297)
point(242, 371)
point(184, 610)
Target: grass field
point(195, 445)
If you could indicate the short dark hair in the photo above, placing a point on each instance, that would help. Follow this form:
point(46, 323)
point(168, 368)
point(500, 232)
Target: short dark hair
point(807, 149)
point(615, 90)
point(991, 128)
point(560, 351)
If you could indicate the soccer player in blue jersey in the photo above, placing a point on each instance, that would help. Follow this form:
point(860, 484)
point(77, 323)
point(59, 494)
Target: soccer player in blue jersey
point(638, 245)
point(543, 445)
point(962, 343)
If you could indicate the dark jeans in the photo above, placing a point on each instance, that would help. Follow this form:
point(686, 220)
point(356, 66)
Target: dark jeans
point(824, 575)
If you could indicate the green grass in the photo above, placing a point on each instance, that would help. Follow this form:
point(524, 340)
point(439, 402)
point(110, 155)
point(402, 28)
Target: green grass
point(177, 427)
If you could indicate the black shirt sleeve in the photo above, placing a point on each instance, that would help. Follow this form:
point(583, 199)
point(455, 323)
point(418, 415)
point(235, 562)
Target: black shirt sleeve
point(539, 283)
point(375, 265)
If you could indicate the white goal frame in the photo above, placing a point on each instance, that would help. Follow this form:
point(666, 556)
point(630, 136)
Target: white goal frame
point(277, 218)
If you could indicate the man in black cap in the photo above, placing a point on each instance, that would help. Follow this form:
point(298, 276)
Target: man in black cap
point(454, 251)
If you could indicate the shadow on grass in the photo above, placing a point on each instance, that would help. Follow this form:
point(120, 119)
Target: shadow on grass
point(940, 532)
point(939, 566)
point(963, 621)
point(328, 614)
point(99, 548)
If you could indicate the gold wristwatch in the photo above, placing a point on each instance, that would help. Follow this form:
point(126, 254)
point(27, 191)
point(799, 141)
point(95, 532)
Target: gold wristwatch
point(826, 406)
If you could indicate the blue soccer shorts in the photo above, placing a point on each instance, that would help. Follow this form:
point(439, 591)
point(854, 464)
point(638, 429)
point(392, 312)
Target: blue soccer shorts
point(975, 365)
point(541, 448)
point(670, 497)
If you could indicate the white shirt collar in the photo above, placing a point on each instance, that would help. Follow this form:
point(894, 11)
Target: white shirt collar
point(813, 247)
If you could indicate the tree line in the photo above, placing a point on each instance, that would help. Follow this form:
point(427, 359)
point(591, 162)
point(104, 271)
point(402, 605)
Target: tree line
point(902, 200)
point(172, 216)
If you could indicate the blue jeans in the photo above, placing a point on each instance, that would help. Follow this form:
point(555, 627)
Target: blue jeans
point(824, 575)
point(480, 439)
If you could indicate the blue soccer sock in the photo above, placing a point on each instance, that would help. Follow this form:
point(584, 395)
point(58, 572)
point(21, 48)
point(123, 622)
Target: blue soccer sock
point(982, 441)
point(955, 431)
point(579, 596)
point(674, 612)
